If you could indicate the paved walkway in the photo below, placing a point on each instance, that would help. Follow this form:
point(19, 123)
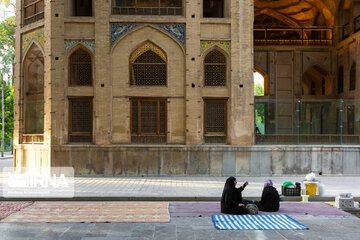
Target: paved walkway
point(203, 187)
point(181, 228)
point(190, 188)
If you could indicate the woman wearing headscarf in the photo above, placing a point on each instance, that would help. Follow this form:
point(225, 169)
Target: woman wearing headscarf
point(270, 198)
point(231, 199)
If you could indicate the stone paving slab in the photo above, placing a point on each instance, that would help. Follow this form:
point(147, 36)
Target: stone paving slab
point(196, 186)
point(181, 228)
point(206, 209)
point(191, 188)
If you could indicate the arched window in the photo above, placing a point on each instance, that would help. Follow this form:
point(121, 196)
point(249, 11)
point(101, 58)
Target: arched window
point(80, 73)
point(215, 69)
point(33, 93)
point(148, 66)
point(340, 84)
point(352, 85)
point(260, 83)
point(316, 81)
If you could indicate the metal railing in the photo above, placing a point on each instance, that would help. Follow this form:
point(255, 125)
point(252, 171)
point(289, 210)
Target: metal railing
point(309, 36)
point(307, 121)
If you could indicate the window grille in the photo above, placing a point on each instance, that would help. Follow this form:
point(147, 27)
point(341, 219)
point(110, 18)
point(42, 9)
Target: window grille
point(33, 10)
point(147, 7)
point(80, 120)
point(80, 68)
point(147, 67)
point(215, 121)
point(353, 77)
point(148, 120)
point(215, 69)
point(341, 80)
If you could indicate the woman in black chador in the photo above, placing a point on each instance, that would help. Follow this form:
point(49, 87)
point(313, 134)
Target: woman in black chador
point(231, 199)
point(270, 198)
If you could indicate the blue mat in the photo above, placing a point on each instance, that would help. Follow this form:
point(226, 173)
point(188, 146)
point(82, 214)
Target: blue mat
point(256, 222)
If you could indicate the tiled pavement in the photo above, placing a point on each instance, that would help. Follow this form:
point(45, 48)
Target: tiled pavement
point(181, 228)
point(193, 188)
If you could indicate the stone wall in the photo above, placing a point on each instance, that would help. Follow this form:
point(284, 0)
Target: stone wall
point(130, 160)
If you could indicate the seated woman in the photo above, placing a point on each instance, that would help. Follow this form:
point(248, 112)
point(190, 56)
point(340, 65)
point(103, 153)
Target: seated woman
point(270, 198)
point(231, 199)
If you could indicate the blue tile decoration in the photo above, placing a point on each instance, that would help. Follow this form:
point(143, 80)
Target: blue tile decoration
point(90, 44)
point(225, 45)
point(176, 30)
point(119, 29)
point(30, 37)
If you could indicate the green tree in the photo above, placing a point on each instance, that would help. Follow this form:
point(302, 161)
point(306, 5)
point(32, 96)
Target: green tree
point(259, 108)
point(9, 110)
point(258, 89)
point(7, 53)
point(7, 45)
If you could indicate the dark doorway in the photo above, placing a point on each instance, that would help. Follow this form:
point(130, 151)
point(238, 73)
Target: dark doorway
point(213, 8)
point(83, 8)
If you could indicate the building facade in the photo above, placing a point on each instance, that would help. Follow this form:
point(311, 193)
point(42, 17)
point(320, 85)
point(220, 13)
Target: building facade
point(166, 87)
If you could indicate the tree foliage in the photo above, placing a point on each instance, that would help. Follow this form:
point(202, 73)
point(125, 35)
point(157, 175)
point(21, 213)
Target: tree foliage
point(7, 53)
point(9, 110)
point(258, 89)
point(7, 45)
point(259, 108)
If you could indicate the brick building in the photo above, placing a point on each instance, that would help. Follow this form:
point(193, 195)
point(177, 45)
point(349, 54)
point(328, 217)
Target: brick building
point(166, 87)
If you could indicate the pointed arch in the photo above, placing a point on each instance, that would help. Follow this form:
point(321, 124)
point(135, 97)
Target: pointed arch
point(33, 93)
point(137, 28)
point(215, 65)
point(72, 45)
point(148, 65)
point(33, 43)
point(316, 81)
point(80, 66)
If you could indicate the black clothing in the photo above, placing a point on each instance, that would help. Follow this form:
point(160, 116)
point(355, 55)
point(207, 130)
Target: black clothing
point(270, 200)
point(231, 197)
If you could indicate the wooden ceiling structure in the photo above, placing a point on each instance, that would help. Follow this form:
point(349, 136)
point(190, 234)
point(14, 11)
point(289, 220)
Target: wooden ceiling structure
point(299, 13)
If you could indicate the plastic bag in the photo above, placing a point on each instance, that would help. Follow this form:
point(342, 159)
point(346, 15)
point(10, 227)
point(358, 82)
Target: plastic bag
point(310, 177)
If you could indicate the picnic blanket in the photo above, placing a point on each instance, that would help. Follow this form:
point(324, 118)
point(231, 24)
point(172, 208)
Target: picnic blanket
point(256, 222)
point(77, 212)
point(8, 208)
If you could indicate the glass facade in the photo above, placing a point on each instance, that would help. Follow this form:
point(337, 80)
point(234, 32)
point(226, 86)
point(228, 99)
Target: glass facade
point(307, 121)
